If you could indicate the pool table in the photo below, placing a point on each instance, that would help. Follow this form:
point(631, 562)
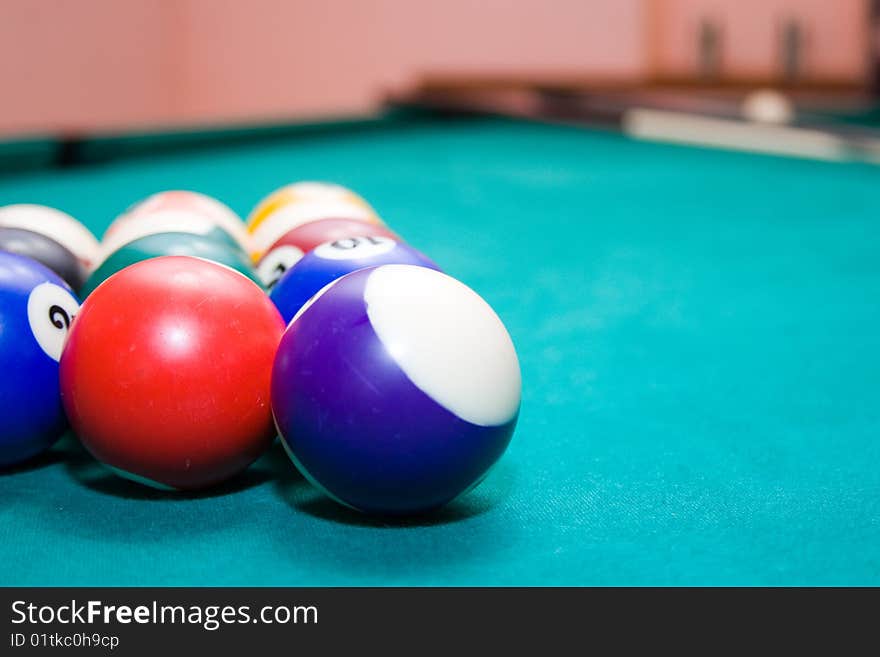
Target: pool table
point(699, 337)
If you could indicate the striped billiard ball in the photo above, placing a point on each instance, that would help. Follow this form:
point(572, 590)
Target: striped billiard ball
point(183, 202)
point(395, 389)
point(163, 221)
point(295, 243)
point(330, 261)
point(300, 203)
point(171, 244)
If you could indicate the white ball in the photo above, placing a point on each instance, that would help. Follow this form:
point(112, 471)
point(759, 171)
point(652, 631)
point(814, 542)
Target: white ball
point(768, 106)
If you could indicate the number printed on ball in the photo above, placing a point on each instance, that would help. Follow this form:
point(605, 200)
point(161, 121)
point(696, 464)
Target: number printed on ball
point(275, 263)
point(51, 310)
point(353, 248)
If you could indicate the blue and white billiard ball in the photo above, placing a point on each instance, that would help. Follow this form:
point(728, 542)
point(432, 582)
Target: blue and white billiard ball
point(36, 309)
point(331, 260)
point(395, 389)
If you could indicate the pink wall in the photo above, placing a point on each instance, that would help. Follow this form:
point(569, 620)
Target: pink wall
point(110, 64)
point(82, 63)
point(106, 64)
point(835, 33)
point(342, 55)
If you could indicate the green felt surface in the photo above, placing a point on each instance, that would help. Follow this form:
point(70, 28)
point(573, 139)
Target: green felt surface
point(698, 333)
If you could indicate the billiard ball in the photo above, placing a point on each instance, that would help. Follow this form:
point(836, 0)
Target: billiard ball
point(46, 251)
point(396, 389)
point(306, 190)
point(290, 216)
point(53, 223)
point(287, 250)
point(768, 106)
point(286, 210)
point(36, 308)
point(188, 202)
point(327, 262)
point(163, 221)
point(166, 372)
point(162, 244)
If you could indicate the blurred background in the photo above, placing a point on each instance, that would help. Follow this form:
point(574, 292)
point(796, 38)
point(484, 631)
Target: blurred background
point(93, 66)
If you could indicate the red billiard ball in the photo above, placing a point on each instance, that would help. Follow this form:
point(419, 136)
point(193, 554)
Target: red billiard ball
point(165, 375)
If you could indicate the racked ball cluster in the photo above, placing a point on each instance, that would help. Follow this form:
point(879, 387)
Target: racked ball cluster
point(394, 387)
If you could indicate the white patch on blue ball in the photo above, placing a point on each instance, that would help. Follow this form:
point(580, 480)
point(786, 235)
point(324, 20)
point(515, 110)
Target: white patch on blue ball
point(447, 340)
point(51, 309)
point(276, 263)
point(355, 248)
